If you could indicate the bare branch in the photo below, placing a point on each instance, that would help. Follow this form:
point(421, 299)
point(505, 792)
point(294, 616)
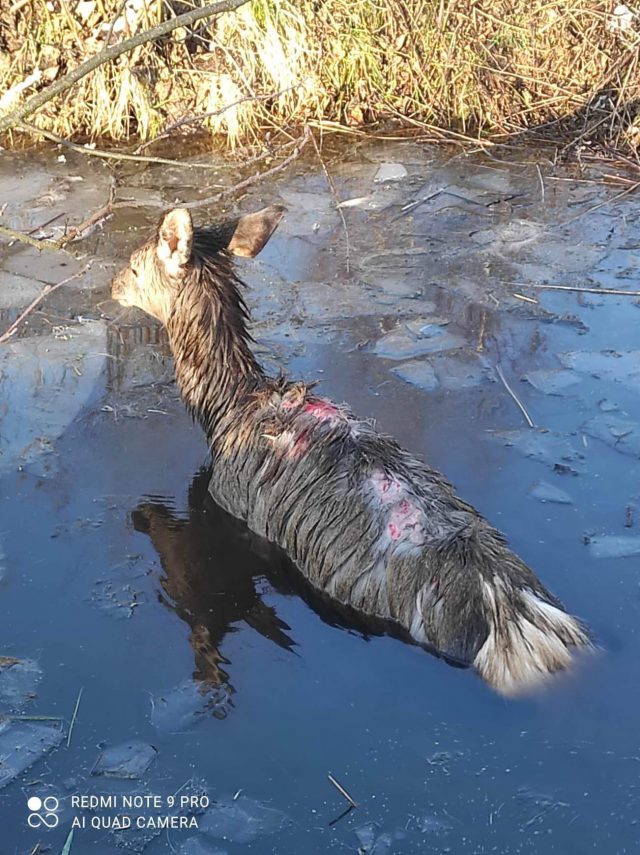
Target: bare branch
point(113, 52)
point(114, 155)
point(73, 233)
point(200, 117)
point(39, 243)
point(519, 403)
point(578, 289)
point(336, 199)
point(210, 200)
point(48, 289)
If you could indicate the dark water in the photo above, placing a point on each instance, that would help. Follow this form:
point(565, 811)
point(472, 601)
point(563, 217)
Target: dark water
point(182, 631)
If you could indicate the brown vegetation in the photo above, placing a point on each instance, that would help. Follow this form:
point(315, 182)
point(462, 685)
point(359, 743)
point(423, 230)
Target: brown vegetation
point(478, 68)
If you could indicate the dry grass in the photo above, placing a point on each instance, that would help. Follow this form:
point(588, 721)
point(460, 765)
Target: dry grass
point(488, 68)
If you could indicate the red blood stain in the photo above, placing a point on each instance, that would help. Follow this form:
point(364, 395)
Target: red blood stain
point(386, 487)
point(391, 486)
point(394, 532)
point(323, 410)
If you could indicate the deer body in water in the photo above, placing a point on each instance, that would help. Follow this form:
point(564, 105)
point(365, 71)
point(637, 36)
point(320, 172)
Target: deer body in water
point(365, 521)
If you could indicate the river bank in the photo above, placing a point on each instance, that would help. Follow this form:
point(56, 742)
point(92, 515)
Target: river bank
point(457, 69)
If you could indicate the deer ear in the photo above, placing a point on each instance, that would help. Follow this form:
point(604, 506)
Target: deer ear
point(175, 239)
point(254, 230)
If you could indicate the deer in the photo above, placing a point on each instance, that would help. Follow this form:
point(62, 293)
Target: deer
point(368, 524)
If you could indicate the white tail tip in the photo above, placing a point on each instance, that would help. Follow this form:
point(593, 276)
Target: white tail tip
point(528, 640)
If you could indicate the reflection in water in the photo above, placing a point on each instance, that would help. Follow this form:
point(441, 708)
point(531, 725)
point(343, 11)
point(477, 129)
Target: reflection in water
point(127, 344)
point(213, 569)
point(215, 573)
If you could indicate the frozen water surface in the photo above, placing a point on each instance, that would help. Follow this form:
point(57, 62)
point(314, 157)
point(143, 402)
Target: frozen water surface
point(130, 760)
point(23, 743)
point(545, 492)
point(136, 613)
point(18, 683)
point(615, 546)
point(553, 382)
point(241, 820)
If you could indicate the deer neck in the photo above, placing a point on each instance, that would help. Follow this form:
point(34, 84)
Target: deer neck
point(216, 369)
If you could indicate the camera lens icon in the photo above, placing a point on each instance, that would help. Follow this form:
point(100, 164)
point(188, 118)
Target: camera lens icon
point(43, 812)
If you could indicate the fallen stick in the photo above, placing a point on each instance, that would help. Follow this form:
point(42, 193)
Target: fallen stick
point(526, 299)
point(45, 224)
point(619, 291)
point(39, 243)
point(74, 717)
point(60, 244)
point(48, 289)
point(114, 155)
point(210, 200)
point(515, 397)
point(98, 216)
point(342, 790)
point(336, 199)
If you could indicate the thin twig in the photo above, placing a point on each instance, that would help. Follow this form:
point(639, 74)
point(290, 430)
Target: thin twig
point(48, 289)
point(113, 23)
point(444, 191)
point(344, 813)
point(597, 207)
point(336, 199)
point(515, 397)
point(97, 217)
point(191, 120)
point(618, 291)
point(67, 844)
point(342, 791)
point(526, 299)
point(114, 155)
point(75, 715)
point(47, 223)
point(541, 183)
point(34, 718)
point(242, 185)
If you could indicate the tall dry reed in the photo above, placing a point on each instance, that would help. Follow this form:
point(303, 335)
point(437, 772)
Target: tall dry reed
point(474, 67)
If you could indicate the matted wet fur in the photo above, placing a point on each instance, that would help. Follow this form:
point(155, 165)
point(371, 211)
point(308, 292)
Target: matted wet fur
point(365, 521)
point(214, 568)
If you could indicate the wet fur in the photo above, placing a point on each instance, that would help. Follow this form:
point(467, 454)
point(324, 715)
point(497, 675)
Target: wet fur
point(366, 522)
point(214, 568)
